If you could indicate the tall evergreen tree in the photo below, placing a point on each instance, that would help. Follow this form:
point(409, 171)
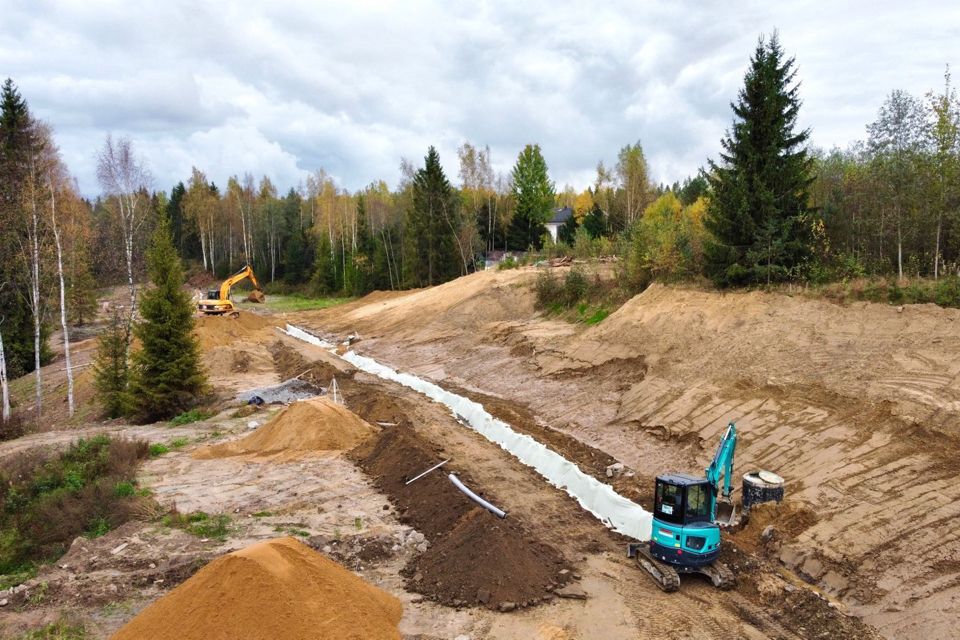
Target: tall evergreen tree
point(167, 373)
point(17, 144)
point(535, 195)
point(758, 214)
point(434, 221)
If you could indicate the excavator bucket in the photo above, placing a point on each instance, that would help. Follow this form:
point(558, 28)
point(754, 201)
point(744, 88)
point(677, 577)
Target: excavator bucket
point(726, 513)
point(256, 296)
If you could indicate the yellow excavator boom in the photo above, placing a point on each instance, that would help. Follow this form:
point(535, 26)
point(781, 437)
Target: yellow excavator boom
point(222, 304)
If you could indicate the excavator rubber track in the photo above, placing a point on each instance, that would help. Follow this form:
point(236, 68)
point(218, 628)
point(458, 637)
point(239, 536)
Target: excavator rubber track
point(719, 574)
point(663, 574)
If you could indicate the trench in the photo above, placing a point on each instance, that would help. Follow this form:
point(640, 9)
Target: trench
point(612, 509)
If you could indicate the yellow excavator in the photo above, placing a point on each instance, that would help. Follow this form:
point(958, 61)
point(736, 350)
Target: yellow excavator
point(218, 300)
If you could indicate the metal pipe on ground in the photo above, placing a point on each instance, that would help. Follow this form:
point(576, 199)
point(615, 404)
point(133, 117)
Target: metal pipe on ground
point(500, 513)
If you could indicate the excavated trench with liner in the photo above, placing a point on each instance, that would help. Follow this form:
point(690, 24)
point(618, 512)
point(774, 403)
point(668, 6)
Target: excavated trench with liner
point(612, 509)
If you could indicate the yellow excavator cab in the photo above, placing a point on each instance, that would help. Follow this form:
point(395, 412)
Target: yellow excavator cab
point(218, 301)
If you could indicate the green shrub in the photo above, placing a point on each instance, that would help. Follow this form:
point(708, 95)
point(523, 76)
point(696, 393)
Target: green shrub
point(508, 263)
point(179, 443)
point(188, 417)
point(200, 524)
point(157, 449)
point(575, 287)
point(947, 292)
point(548, 288)
point(48, 500)
point(124, 489)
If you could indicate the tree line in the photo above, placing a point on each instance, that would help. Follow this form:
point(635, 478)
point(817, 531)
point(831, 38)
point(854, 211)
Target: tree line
point(768, 209)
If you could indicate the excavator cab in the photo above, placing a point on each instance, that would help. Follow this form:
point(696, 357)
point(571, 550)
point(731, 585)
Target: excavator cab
point(685, 536)
point(683, 529)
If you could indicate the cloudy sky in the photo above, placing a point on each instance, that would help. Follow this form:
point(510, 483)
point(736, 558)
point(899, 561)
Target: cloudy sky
point(285, 88)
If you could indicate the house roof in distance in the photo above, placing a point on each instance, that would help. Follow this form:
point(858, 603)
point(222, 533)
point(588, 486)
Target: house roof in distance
point(561, 215)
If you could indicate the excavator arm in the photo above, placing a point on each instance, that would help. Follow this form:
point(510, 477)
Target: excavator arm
point(721, 468)
point(246, 272)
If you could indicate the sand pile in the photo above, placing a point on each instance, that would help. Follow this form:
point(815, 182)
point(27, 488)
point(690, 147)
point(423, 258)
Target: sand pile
point(474, 558)
point(303, 428)
point(222, 331)
point(275, 590)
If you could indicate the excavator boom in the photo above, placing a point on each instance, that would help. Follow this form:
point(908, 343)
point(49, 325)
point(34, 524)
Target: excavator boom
point(222, 304)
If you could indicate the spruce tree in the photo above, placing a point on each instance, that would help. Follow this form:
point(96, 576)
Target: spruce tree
point(535, 195)
point(17, 143)
point(111, 367)
point(434, 221)
point(167, 373)
point(758, 215)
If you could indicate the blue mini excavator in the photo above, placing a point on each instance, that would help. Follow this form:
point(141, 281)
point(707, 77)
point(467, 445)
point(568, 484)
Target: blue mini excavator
point(687, 515)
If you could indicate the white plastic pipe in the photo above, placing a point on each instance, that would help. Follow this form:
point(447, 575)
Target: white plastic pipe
point(500, 513)
point(612, 509)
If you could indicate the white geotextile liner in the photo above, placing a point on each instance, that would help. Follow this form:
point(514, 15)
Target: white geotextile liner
point(600, 499)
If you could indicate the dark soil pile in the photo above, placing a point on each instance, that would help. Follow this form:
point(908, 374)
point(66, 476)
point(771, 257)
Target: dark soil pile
point(474, 558)
point(290, 363)
point(431, 505)
point(487, 561)
point(375, 406)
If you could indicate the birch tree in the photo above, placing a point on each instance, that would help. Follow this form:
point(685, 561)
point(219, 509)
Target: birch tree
point(63, 294)
point(125, 179)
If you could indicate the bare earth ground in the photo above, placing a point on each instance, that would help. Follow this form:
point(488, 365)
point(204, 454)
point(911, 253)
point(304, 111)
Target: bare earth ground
point(854, 406)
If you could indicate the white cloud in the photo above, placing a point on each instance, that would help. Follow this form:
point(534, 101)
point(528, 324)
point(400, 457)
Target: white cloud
point(282, 89)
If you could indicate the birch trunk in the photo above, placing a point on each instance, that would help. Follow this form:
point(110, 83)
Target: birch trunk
point(63, 299)
point(4, 386)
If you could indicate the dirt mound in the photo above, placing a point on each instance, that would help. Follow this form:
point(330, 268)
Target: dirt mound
point(474, 558)
point(290, 363)
point(221, 331)
point(278, 589)
point(303, 428)
point(374, 405)
point(431, 505)
point(787, 520)
point(487, 561)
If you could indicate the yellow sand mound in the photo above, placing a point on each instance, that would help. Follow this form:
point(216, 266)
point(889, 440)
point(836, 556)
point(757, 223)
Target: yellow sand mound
point(218, 331)
point(303, 428)
point(275, 590)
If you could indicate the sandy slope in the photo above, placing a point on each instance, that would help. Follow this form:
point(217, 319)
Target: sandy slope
point(855, 405)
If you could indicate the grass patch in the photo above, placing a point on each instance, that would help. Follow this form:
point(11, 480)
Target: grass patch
point(189, 417)
point(60, 630)
point(200, 524)
point(47, 500)
point(577, 297)
point(263, 514)
point(295, 302)
point(157, 449)
point(179, 443)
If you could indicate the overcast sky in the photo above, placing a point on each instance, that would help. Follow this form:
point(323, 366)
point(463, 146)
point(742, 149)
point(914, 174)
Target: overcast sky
point(285, 88)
